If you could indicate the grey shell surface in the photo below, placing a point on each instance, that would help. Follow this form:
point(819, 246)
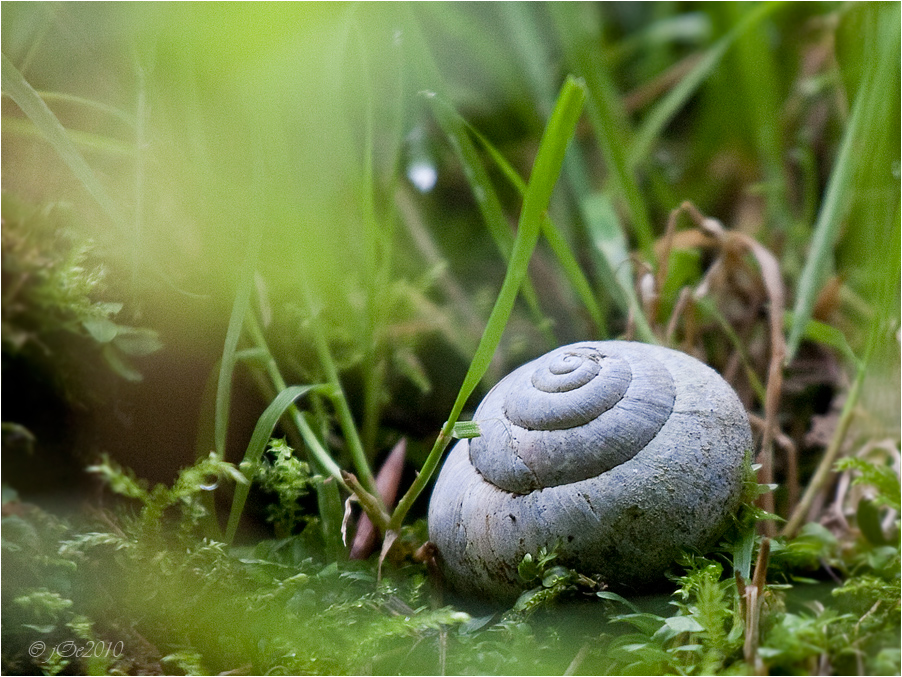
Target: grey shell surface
point(619, 454)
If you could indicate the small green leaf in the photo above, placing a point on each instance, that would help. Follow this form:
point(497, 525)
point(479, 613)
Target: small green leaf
point(528, 569)
point(742, 553)
point(881, 477)
point(259, 440)
point(681, 624)
point(120, 366)
point(646, 623)
point(137, 341)
point(556, 575)
point(464, 430)
point(614, 597)
point(868, 517)
point(689, 648)
point(101, 329)
point(528, 597)
point(826, 335)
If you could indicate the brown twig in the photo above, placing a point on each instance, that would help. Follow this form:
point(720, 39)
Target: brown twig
point(785, 442)
point(734, 242)
point(683, 301)
point(752, 600)
point(369, 502)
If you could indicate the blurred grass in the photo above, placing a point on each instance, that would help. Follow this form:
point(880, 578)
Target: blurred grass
point(867, 164)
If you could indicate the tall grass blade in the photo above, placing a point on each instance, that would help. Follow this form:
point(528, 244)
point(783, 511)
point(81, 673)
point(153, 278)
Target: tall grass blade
point(85, 141)
point(203, 444)
point(328, 499)
point(665, 110)
point(112, 111)
point(545, 172)
point(526, 23)
point(556, 240)
point(607, 116)
point(255, 448)
point(758, 75)
point(240, 308)
point(338, 398)
point(612, 260)
point(17, 87)
point(868, 120)
point(486, 199)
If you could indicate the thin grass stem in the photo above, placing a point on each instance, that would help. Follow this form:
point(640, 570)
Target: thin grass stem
point(607, 116)
point(240, 307)
point(555, 238)
point(547, 168)
point(255, 448)
point(825, 467)
point(487, 201)
point(338, 399)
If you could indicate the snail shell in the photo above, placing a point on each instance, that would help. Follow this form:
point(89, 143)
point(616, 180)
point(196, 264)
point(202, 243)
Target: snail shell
point(618, 454)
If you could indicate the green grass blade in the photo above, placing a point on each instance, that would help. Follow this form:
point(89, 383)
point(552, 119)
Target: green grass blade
point(259, 439)
point(331, 512)
point(611, 256)
point(544, 176)
point(329, 502)
point(320, 457)
point(574, 272)
point(338, 399)
point(240, 308)
point(757, 71)
point(607, 116)
point(867, 119)
point(85, 141)
point(17, 87)
point(545, 172)
point(556, 240)
point(458, 133)
point(203, 444)
point(826, 335)
point(534, 54)
point(112, 111)
point(666, 109)
point(378, 240)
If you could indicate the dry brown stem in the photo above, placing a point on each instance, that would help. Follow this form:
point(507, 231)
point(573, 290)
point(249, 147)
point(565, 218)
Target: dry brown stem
point(732, 245)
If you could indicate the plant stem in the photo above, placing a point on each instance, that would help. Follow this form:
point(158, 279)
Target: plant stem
point(339, 401)
point(822, 475)
point(240, 307)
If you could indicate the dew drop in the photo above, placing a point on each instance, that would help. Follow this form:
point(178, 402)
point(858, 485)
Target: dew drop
point(422, 175)
point(210, 482)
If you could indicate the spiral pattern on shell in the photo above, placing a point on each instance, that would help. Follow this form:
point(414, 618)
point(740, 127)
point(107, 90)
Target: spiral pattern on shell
point(618, 454)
